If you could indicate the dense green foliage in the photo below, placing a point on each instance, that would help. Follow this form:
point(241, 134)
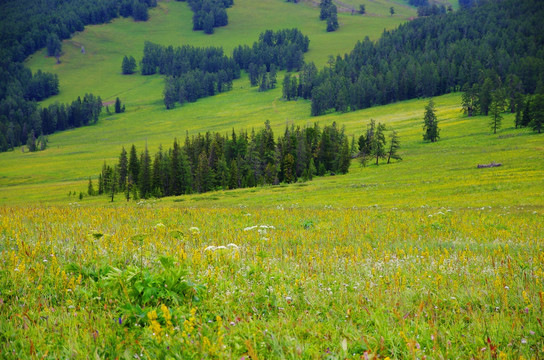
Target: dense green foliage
point(435, 55)
point(209, 14)
point(212, 161)
point(329, 12)
point(26, 26)
point(192, 73)
point(283, 48)
point(47, 120)
point(129, 65)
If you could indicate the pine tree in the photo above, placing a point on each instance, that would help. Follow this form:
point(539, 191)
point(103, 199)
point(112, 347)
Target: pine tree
point(496, 108)
point(203, 174)
point(114, 181)
point(129, 65)
point(378, 143)
point(430, 123)
point(344, 157)
point(393, 147)
point(123, 169)
point(332, 20)
point(176, 171)
point(171, 93)
point(118, 107)
point(527, 116)
point(133, 166)
point(289, 174)
point(144, 183)
point(537, 111)
point(311, 169)
point(90, 189)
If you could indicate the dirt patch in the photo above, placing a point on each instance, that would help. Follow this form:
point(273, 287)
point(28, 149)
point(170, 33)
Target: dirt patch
point(107, 103)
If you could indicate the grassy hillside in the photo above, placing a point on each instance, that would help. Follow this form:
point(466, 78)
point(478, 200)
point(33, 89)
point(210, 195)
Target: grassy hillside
point(99, 70)
point(439, 174)
point(428, 257)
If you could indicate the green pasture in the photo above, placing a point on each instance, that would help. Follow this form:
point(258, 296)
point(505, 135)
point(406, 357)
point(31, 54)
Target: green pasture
point(439, 174)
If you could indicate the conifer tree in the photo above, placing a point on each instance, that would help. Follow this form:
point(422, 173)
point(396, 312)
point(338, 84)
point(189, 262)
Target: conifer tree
point(344, 158)
point(537, 110)
point(114, 181)
point(133, 166)
point(378, 143)
point(123, 169)
point(496, 108)
point(90, 189)
point(144, 183)
point(394, 146)
point(430, 123)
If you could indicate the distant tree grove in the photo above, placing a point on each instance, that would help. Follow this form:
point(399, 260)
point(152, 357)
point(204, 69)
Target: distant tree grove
point(28, 26)
point(47, 120)
point(492, 97)
point(431, 56)
point(209, 14)
point(213, 161)
point(192, 73)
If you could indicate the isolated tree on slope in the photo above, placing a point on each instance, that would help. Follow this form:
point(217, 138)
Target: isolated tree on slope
point(430, 123)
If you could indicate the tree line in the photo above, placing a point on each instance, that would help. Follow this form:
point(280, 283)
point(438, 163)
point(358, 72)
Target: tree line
point(492, 97)
point(47, 120)
point(27, 26)
point(209, 14)
point(432, 56)
point(213, 161)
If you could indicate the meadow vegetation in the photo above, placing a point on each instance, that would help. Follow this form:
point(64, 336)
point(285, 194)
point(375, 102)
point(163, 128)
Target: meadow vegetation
point(428, 257)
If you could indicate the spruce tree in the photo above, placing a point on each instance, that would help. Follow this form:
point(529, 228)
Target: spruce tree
point(527, 116)
point(394, 146)
point(430, 123)
point(118, 107)
point(90, 188)
point(144, 183)
point(123, 169)
point(496, 108)
point(344, 158)
point(537, 110)
point(378, 143)
point(133, 166)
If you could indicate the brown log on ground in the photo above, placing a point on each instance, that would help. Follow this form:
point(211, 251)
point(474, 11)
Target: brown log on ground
point(492, 164)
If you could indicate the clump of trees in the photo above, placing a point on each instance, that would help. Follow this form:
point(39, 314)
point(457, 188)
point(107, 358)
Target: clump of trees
point(432, 56)
point(213, 161)
point(129, 65)
point(209, 14)
point(329, 13)
point(191, 72)
point(283, 48)
point(373, 144)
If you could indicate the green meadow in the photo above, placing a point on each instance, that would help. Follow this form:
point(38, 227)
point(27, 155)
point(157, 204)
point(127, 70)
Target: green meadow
point(431, 174)
point(424, 258)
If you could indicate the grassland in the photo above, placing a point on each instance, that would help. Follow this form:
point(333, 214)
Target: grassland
point(429, 257)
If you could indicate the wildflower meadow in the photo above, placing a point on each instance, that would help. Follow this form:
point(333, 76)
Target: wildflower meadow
point(150, 281)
